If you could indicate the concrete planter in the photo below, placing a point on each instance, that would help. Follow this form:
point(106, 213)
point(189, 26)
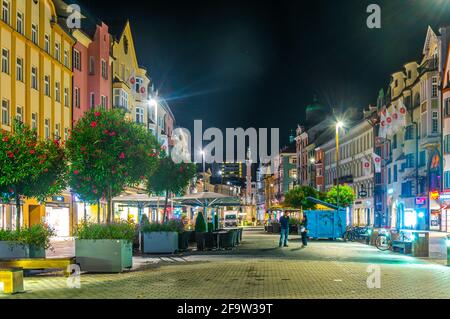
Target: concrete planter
point(160, 242)
point(36, 252)
point(103, 255)
point(13, 250)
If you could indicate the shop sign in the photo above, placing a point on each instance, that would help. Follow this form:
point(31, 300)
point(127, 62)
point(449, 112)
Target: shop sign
point(362, 194)
point(58, 199)
point(421, 201)
point(444, 196)
point(434, 195)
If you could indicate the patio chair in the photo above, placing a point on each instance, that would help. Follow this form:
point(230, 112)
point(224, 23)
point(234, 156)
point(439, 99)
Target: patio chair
point(227, 240)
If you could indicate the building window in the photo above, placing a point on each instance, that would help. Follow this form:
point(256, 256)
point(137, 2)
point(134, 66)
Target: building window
point(19, 69)
point(5, 61)
point(91, 65)
point(422, 158)
point(139, 84)
point(5, 112)
point(434, 87)
point(120, 98)
point(409, 133)
point(47, 128)
point(409, 161)
point(139, 115)
point(389, 175)
point(447, 144)
point(34, 34)
point(104, 70)
point(104, 102)
point(57, 131)
point(19, 23)
point(447, 179)
point(66, 133)
point(409, 74)
point(77, 60)
point(47, 85)
point(57, 52)
point(447, 107)
point(395, 174)
point(34, 81)
point(406, 189)
point(5, 11)
point(47, 43)
point(394, 141)
point(34, 121)
point(92, 100)
point(66, 97)
point(77, 97)
point(66, 58)
point(19, 113)
point(435, 122)
point(57, 92)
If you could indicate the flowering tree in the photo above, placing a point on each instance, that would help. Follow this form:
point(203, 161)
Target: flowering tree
point(346, 195)
point(170, 177)
point(108, 153)
point(30, 167)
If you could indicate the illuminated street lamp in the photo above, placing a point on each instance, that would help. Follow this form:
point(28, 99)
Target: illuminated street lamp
point(339, 125)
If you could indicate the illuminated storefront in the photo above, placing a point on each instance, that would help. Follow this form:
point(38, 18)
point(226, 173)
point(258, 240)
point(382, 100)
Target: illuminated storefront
point(444, 199)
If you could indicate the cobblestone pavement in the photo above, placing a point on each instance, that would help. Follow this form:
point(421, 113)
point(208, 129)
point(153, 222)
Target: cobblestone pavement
point(259, 269)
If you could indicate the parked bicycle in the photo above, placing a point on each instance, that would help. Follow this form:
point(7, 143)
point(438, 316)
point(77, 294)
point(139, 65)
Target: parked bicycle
point(384, 239)
point(356, 233)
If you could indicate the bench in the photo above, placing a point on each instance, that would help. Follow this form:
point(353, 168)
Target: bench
point(39, 263)
point(404, 247)
point(12, 279)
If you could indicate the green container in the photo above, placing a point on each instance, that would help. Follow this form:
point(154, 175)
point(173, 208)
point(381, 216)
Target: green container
point(103, 255)
point(36, 252)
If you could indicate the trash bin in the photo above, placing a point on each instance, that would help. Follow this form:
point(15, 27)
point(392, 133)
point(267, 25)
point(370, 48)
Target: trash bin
point(421, 244)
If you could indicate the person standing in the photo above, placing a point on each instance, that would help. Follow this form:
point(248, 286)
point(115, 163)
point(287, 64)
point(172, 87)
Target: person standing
point(304, 231)
point(284, 229)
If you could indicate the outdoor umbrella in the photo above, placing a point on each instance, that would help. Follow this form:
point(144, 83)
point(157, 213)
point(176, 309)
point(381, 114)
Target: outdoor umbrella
point(208, 200)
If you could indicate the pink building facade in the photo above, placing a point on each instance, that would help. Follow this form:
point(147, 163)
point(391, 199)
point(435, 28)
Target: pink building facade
point(92, 83)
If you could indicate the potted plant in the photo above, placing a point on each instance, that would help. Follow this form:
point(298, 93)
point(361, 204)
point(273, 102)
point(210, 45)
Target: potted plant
point(106, 248)
point(161, 237)
point(37, 238)
point(26, 242)
point(200, 230)
point(10, 246)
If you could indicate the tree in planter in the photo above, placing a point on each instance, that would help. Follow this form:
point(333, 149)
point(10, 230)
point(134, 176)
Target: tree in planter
point(346, 196)
point(30, 167)
point(170, 178)
point(200, 223)
point(297, 197)
point(108, 153)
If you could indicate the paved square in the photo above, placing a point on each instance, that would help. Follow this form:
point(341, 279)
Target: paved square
point(259, 269)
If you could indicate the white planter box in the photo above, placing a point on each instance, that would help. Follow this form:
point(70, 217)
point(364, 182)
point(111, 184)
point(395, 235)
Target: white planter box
point(160, 242)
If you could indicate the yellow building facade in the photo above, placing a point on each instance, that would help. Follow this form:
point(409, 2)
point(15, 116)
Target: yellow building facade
point(128, 95)
point(35, 83)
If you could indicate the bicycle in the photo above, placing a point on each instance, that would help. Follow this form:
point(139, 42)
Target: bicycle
point(356, 233)
point(384, 239)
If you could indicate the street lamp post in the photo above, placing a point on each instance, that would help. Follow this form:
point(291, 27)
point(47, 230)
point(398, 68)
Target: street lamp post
point(338, 126)
point(204, 175)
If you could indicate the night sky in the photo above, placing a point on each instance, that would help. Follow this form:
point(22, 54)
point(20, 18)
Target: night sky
point(248, 63)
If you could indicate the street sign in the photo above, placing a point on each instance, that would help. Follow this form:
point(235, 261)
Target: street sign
point(362, 194)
